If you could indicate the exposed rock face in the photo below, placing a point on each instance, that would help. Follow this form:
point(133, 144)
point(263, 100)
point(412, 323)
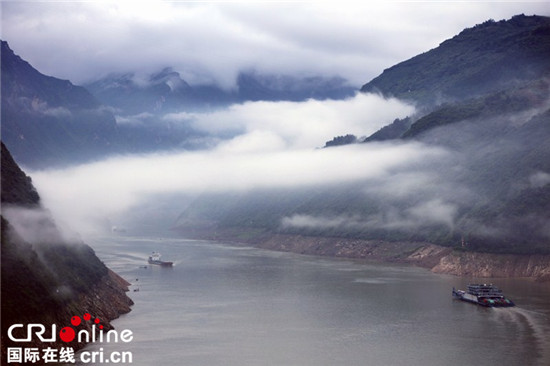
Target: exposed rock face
point(108, 297)
point(437, 258)
point(106, 300)
point(495, 265)
point(429, 255)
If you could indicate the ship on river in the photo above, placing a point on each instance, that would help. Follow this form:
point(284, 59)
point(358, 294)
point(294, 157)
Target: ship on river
point(483, 294)
point(154, 258)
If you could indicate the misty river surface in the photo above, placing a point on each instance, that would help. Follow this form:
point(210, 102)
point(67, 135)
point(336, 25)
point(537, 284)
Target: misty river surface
point(227, 305)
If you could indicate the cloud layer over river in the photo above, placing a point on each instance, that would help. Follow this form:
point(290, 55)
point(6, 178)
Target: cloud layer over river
point(277, 148)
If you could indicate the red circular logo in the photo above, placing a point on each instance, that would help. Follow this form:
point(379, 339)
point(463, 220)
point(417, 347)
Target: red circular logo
point(75, 320)
point(67, 334)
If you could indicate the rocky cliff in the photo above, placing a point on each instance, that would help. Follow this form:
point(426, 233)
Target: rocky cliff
point(47, 279)
point(472, 264)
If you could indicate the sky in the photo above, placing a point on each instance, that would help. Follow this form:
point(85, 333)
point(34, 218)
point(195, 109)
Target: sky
point(210, 42)
point(277, 144)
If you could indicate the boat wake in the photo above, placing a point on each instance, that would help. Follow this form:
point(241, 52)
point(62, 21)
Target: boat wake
point(538, 324)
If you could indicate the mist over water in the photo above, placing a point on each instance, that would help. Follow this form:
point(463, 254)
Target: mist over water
point(449, 178)
point(226, 305)
point(277, 147)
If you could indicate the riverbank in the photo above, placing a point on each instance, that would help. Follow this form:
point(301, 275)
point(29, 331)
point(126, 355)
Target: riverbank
point(436, 258)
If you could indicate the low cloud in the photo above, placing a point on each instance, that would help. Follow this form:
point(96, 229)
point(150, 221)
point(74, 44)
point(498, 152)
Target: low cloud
point(539, 179)
point(323, 222)
point(90, 193)
point(433, 212)
point(58, 112)
point(277, 148)
point(300, 124)
point(39, 106)
point(135, 120)
point(36, 225)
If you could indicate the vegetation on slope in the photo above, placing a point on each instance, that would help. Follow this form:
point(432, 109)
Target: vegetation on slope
point(486, 58)
point(43, 281)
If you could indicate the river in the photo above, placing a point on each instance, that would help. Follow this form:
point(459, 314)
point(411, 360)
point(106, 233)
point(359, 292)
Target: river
point(227, 305)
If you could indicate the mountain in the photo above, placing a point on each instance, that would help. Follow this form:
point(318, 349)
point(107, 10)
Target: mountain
point(162, 92)
point(46, 120)
point(17, 188)
point(252, 86)
point(51, 122)
point(45, 278)
point(166, 91)
point(489, 69)
point(485, 58)
point(483, 98)
point(484, 95)
point(494, 113)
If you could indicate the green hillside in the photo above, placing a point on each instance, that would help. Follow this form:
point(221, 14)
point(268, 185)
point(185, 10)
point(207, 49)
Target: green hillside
point(485, 58)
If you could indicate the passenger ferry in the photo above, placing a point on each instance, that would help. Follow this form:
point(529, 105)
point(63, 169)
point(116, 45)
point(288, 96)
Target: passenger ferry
point(483, 294)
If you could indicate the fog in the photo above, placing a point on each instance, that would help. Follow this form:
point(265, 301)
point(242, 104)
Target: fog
point(89, 193)
point(85, 197)
point(308, 124)
point(454, 178)
point(435, 211)
point(277, 147)
point(37, 226)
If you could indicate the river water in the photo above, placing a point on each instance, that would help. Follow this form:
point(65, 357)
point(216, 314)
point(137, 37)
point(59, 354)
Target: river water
point(227, 305)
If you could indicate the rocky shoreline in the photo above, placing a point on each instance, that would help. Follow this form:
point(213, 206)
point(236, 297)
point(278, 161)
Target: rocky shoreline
point(495, 265)
point(436, 258)
point(107, 300)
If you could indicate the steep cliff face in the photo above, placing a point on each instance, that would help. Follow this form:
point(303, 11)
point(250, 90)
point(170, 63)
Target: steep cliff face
point(46, 120)
point(46, 279)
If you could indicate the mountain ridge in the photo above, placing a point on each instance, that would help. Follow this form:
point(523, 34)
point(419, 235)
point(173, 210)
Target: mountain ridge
point(166, 91)
point(49, 122)
point(46, 120)
point(478, 60)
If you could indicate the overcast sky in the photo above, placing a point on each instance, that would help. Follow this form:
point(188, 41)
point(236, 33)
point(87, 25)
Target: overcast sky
point(213, 41)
